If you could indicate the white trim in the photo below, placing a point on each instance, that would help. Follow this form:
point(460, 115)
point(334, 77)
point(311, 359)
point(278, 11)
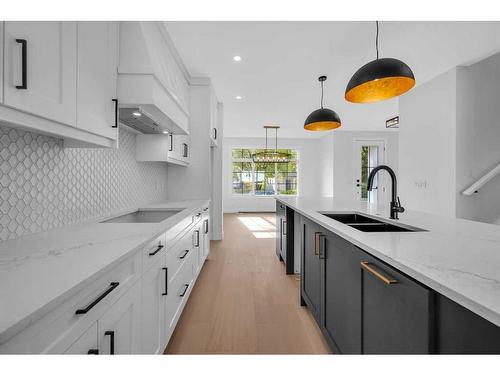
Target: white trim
point(482, 181)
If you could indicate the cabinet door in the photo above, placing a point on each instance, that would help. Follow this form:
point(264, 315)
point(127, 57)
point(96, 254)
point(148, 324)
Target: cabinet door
point(311, 267)
point(396, 311)
point(97, 71)
point(342, 294)
point(49, 88)
point(86, 343)
point(119, 326)
point(154, 292)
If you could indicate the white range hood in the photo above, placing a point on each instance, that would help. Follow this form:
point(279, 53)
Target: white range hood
point(150, 79)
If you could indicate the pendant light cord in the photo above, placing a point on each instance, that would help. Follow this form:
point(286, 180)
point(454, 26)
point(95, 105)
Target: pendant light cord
point(376, 39)
point(321, 94)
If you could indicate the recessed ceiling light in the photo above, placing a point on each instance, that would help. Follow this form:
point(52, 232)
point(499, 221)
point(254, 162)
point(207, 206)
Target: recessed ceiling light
point(165, 132)
point(238, 97)
point(236, 58)
point(137, 114)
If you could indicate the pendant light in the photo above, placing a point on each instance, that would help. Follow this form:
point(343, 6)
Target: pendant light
point(270, 155)
point(380, 79)
point(322, 119)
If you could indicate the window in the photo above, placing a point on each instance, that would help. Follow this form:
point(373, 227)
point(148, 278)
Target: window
point(251, 178)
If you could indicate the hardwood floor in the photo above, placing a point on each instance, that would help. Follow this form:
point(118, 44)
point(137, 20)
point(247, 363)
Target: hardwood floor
point(243, 302)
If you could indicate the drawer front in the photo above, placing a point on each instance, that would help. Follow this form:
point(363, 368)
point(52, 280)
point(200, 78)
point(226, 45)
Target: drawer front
point(396, 311)
point(55, 332)
point(179, 290)
point(153, 251)
point(179, 254)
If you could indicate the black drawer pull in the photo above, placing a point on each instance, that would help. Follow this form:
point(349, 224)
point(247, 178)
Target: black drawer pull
point(197, 243)
point(184, 254)
point(93, 351)
point(183, 293)
point(98, 299)
point(206, 226)
point(156, 251)
point(166, 281)
point(116, 113)
point(111, 335)
point(24, 64)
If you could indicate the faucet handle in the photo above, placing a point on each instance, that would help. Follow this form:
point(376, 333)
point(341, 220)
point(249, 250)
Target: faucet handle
point(399, 207)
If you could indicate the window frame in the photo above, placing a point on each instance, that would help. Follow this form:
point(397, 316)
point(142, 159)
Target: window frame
point(250, 160)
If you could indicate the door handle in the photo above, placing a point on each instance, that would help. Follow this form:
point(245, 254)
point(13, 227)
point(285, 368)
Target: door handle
point(24, 64)
point(170, 142)
point(111, 335)
point(166, 281)
point(116, 112)
point(184, 254)
point(98, 299)
point(93, 351)
point(197, 237)
point(206, 226)
point(378, 274)
point(322, 242)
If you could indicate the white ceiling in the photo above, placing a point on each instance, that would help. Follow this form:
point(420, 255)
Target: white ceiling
point(281, 61)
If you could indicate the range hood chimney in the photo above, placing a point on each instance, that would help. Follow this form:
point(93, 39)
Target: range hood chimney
point(146, 104)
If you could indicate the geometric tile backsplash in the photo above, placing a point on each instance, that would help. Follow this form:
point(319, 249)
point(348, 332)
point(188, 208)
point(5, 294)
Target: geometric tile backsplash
point(44, 185)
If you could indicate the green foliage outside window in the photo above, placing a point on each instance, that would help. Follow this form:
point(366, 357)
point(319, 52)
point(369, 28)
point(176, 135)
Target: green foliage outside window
point(251, 178)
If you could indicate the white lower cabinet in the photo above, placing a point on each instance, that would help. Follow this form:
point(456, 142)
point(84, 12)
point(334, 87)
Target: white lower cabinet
point(154, 294)
point(132, 308)
point(119, 327)
point(86, 343)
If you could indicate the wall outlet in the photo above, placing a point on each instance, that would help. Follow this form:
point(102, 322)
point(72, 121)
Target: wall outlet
point(420, 184)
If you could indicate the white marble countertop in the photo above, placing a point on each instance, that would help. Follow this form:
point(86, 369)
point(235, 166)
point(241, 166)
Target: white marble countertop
point(39, 271)
point(457, 258)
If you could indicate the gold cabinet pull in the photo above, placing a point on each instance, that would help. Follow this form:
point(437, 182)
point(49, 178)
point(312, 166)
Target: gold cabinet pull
point(316, 242)
point(370, 268)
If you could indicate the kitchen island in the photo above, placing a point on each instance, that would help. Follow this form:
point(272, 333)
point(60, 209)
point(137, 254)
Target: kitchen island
point(436, 290)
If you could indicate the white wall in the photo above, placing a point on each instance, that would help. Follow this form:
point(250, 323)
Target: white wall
point(326, 164)
point(427, 143)
point(478, 138)
point(344, 163)
point(308, 172)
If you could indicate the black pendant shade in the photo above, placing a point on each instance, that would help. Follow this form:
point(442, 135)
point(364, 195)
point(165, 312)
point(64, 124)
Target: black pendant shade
point(322, 119)
point(380, 79)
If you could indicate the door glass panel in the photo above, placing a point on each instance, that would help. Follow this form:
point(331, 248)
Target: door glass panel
point(369, 160)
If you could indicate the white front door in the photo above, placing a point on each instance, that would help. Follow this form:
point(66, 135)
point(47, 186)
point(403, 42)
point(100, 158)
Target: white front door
point(368, 154)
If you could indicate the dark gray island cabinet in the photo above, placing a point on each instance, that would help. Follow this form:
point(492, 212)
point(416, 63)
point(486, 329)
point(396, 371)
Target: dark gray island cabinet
point(365, 306)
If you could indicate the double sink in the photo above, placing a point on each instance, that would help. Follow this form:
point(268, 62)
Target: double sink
point(369, 224)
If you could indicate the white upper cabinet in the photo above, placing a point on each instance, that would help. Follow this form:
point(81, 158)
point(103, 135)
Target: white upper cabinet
point(97, 73)
point(40, 69)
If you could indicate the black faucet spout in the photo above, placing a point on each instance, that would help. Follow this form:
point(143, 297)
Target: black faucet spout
point(395, 203)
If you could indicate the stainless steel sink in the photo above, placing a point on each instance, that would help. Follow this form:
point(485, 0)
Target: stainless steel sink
point(144, 216)
point(369, 224)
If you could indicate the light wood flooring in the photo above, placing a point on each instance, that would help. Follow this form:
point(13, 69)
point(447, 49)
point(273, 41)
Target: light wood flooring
point(243, 302)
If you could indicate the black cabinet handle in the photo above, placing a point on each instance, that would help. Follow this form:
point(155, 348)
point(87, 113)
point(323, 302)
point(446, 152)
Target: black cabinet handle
point(170, 142)
point(183, 293)
point(206, 226)
point(116, 112)
point(197, 243)
point(98, 299)
point(111, 335)
point(184, 254)
point(215, 133)
point(185, 150)
point(157, 249)
point(24, 64)
point(93, 351)
point(166, 281)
